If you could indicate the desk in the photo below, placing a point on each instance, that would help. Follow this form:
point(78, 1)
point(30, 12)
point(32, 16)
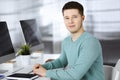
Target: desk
point(34, 61)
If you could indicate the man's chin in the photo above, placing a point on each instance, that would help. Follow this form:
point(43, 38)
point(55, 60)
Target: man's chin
point(73, 32)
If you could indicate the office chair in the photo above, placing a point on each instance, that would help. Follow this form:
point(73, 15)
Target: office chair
point(108, 72)
point(116, 71)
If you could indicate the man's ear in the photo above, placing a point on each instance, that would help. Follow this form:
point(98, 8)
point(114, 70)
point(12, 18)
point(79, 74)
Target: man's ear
point(83, 17)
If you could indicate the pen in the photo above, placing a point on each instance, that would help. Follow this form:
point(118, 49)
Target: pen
point(30, 71)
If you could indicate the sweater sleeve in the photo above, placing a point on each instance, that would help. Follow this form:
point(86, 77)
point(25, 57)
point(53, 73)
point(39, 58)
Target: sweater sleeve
point(90, 50)
point(61, 62)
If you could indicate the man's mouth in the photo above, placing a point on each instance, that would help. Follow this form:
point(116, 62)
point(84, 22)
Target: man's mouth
point(71, 26)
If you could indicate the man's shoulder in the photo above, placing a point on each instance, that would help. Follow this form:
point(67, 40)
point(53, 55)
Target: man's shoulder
point(67, 38)
point(89, 36)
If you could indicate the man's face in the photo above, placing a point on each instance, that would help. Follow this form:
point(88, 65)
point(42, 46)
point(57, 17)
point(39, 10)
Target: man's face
point(73, 20)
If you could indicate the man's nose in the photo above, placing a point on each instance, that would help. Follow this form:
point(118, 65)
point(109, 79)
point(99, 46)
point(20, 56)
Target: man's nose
point(70, 20)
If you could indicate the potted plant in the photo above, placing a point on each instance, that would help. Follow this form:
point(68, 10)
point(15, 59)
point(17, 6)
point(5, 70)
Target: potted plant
point(24, 50)
point(23, 54)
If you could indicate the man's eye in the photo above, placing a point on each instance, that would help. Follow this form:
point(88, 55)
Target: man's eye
point(74, 16)
point(66, 18)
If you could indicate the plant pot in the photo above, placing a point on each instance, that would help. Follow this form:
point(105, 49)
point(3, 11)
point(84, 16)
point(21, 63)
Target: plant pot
point(23, 60)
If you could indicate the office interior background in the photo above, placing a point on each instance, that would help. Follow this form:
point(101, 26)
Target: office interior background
point(45, 16)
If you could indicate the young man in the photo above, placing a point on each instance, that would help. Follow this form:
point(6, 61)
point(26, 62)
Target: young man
point(81, 55)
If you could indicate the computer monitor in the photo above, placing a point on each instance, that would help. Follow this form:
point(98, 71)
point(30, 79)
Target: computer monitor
point(6, 47)
point(32, 34)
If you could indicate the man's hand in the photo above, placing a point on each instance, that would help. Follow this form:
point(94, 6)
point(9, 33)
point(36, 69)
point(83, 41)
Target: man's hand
point(40, 70)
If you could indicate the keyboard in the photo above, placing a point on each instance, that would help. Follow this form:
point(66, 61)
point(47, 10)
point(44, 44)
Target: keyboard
point(3, 71)
point(25, 70)
point(16, 69)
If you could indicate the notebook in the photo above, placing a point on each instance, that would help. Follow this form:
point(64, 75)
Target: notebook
point(22, 76)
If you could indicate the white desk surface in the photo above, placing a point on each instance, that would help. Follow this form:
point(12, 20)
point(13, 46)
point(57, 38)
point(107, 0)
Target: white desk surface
point(34, 61)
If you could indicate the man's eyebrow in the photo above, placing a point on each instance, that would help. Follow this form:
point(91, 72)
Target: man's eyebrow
point(65, 16)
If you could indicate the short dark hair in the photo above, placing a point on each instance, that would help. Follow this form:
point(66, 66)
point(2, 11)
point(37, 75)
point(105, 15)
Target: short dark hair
point(73, 5)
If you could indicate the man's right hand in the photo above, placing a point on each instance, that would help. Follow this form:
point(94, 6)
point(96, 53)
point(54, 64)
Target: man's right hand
point(39, 70)
point(36, 66)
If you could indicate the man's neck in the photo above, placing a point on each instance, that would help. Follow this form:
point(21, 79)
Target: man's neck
point(75, 36)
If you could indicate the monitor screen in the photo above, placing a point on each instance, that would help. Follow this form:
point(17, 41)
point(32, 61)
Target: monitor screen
point(31, 34)
point(6, 47)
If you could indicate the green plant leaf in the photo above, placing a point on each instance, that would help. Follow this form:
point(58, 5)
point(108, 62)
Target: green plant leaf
point(24, 50)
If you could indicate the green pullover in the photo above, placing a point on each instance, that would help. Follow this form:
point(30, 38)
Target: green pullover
point(79, 60)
